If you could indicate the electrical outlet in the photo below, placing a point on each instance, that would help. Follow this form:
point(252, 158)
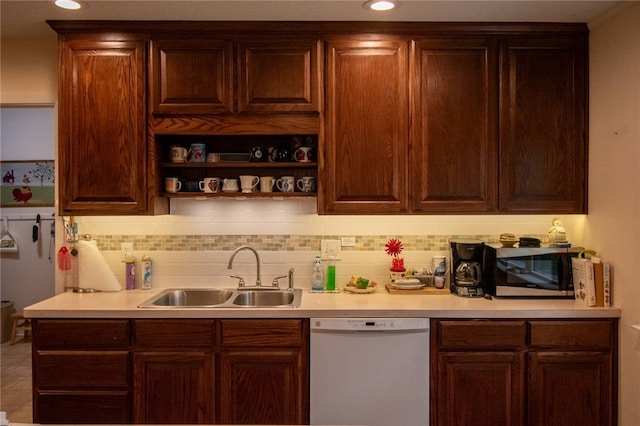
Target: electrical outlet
point(127, 250)
point(348, 241)
point(329, 248)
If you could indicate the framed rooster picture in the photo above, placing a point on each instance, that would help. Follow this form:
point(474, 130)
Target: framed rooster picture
point(27, 183)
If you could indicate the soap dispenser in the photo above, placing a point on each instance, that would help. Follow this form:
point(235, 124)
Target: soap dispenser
point(317, 276)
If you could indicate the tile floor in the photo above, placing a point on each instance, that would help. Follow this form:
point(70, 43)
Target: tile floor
point(15, 381)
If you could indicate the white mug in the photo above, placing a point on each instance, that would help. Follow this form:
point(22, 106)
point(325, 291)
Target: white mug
point(178, 153)
point(212, 185)
point(306, 184)
point(230, 185)
point(248, 182)
point(286, 184)
point(266, 183)
point(172, 184)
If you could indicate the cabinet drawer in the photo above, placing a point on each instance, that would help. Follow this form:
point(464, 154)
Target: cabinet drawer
point(82, 407)
point(81, 334)
point(261, 332)
point(93, 369)
point(481, 334)
point(572, 334)
point(172, 333)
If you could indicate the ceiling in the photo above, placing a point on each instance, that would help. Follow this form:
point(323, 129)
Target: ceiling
point(26, 18)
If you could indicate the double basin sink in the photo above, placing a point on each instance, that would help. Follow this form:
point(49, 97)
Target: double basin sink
point(224, 298)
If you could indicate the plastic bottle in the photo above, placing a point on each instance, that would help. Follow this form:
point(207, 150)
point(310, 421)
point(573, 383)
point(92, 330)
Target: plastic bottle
point(130, 273)
point(331, 275)
point(146, 271)
point(317, 276)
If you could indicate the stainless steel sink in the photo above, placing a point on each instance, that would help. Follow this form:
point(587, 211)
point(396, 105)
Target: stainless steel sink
point(223, 298)
point(269, 298)
point(188, 297)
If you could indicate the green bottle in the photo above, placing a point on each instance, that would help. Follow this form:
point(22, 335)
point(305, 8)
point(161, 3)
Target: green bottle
point(331, 275)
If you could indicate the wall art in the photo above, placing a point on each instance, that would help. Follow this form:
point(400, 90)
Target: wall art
point(27, 183)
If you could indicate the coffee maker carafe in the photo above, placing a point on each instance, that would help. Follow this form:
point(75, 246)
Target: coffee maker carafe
point(466, 271)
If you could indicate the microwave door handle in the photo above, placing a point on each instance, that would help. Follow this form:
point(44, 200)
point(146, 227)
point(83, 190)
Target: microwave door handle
point(565, 273)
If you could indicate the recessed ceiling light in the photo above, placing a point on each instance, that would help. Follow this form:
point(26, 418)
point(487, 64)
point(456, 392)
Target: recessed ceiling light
point(380, 5)
point(68, 4)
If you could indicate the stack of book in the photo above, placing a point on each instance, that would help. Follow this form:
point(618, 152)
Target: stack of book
point(592, 281)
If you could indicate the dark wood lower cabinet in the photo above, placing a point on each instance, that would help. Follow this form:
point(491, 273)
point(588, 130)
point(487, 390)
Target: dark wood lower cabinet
point(174, 387)
point(171, 371)
point(262, 387)
point(535, 373)
point(478, 388)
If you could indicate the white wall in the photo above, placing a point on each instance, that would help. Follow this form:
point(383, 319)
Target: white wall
point(28, 133)
point(614, 198)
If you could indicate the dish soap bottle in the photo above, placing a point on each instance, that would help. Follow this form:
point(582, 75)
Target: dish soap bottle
point(331, 274)
point(317, 277)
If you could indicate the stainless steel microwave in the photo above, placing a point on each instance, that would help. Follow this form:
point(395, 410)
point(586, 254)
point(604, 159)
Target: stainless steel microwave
point(528, 272)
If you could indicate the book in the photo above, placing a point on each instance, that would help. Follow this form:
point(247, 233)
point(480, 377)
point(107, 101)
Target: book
point(598, 277)
point(583, 281)
point(606, 273)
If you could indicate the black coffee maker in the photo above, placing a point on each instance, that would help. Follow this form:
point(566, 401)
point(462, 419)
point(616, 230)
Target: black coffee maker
point(466, 267)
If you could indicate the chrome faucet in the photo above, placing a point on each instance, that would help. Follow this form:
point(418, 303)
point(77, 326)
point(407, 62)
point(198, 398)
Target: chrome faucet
point(230, 266)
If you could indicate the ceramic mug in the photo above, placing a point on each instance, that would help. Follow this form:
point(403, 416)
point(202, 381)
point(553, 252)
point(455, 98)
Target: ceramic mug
point(267, 183)
point(177, 153)
point(197, 153)
point(172, 184)
point(230, 185)
point(306, 184)
point(248, 183)
point(302, 154)
point(191, 186)
point(213, 157)
point(286, 184)
point(212, 185)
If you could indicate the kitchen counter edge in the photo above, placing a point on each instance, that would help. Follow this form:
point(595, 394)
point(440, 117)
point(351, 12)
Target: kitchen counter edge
point(124, 304)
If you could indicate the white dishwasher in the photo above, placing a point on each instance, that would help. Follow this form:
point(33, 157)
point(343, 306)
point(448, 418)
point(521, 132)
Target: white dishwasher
point(369, 371)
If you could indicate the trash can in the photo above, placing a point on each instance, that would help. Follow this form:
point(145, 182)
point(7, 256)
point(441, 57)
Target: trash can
point(5, 320)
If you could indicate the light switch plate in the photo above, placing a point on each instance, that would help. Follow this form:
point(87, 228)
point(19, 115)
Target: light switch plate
point(330, 248)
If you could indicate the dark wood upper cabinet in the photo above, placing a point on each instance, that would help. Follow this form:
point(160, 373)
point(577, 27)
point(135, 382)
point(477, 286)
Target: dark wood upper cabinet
point(452, 163)
point(543, 133)
point(192, 76)
point(367, 121)
point(102, 149)
point(280, 76)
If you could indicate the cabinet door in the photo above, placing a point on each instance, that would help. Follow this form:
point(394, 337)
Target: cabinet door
point(192, 76)
point(543, 162)
point(174, 387)
point(452, 165)
point(481, 388)
point(281, 76)
point(263, 387)
point(364, 169)
point(570, 388)
point(102, 152)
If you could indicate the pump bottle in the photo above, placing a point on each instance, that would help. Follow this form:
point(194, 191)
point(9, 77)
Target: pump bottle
point(317, 276)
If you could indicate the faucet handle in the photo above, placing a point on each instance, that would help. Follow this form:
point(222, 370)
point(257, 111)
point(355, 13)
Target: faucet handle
point(275, 282)
point(240, 280)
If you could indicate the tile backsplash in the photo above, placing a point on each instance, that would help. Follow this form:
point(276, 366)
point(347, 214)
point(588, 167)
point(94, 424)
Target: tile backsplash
point(192, 246)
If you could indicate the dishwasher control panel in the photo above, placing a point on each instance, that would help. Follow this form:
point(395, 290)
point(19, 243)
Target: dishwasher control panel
point(370, 324)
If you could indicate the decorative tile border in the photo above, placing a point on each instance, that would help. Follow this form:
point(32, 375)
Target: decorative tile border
point(279, 242)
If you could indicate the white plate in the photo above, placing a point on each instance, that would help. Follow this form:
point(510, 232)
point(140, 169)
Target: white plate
point(411, 286)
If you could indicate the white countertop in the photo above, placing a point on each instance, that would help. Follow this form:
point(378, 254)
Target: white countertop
point(124, 304)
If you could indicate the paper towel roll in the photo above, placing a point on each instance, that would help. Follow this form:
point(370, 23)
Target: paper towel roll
point(93, 270)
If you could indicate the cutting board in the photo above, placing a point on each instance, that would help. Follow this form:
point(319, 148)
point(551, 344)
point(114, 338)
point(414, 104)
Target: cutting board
point(423, 290)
